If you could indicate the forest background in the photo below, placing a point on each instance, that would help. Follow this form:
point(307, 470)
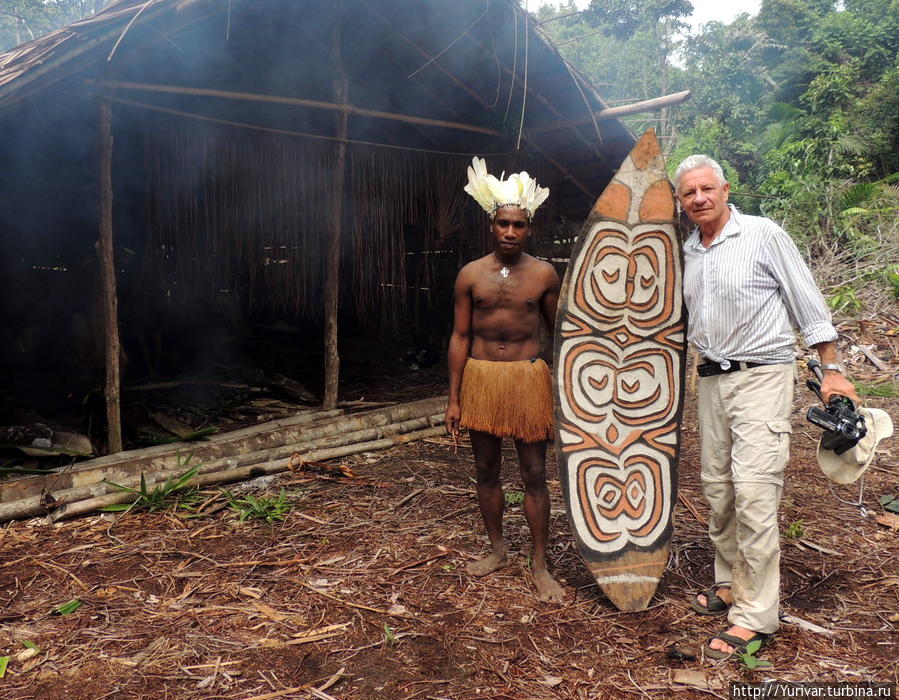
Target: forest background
point(799, 103)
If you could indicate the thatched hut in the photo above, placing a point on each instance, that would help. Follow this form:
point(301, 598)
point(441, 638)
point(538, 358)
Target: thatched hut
point(171, 162)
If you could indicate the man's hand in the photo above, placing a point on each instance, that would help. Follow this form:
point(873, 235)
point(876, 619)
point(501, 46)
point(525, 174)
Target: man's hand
point(836, 383)
point(452, 418)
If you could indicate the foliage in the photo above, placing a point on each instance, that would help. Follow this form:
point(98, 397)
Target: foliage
point(389, 635)
point(514, 498)
point(67, 608)
point(889, 502)
point(795, 530)
point(174, 493)
point(267, 508)
point(24, 20)
point(884, 389)
point(844, 299)
point(749, 659)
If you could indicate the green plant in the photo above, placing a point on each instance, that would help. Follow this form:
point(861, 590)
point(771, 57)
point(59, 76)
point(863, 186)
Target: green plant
point(885, 389)
point(4, 662)
point(795, 530)
point(749, 658)
point(172, 493)
point(514, 498)
point(67, 608)
point(448, 567)
point(891, 275)
point(267, 508)
point(389, 635)
point(890, 502)
point(844, 299)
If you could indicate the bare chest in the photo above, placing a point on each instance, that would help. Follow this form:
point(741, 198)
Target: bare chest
point(507, 292)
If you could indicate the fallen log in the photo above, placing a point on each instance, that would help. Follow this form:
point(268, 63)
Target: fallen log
point(72, 510)
point(257, 438)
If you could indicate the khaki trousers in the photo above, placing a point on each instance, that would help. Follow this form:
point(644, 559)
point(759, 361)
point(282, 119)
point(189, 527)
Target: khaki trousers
point(744, 427)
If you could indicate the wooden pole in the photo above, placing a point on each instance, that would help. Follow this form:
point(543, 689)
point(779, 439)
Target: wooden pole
point(293, 101)
point(332, 274)
point(656, 103)
point(107, 273)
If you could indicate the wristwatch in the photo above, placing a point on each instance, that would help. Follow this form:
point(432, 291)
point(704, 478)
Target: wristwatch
point(833, 366)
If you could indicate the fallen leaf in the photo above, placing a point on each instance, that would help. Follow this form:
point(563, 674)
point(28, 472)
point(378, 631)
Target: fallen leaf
point(268, 611)
point(551, 681)
point(398, 610)
point(252, 592)
point(26, 654)
point(695, 678)
point(891, 520)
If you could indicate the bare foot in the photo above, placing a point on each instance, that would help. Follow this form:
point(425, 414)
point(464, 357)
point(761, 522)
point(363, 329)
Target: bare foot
point(735, 631)
point(547, 587)
point(492, 562)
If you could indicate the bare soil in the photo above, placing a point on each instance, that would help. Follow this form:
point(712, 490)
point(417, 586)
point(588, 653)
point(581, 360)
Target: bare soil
point(361, 593)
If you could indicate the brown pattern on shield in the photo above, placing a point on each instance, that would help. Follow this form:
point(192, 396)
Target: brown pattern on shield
point(619, 379)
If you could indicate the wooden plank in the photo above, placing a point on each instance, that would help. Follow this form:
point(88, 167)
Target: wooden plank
point(620, 355)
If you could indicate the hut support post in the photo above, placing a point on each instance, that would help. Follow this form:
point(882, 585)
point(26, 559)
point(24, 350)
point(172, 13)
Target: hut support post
point(107, 272)
point(332, 275)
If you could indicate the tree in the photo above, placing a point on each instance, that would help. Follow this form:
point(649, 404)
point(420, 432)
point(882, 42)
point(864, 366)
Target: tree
point(24, 20)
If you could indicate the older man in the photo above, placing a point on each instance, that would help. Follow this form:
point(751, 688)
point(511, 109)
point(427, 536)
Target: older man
point(746, 287)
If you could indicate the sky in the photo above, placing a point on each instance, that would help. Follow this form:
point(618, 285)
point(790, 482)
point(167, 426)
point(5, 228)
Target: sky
point(709, 10)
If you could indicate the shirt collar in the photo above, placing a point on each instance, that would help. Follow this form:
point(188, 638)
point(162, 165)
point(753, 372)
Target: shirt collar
point(732, 228)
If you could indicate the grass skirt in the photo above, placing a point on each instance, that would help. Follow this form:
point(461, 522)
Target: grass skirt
point(508, 399)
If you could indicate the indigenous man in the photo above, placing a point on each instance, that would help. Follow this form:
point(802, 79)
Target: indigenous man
point(499, 387)
point(746, 287)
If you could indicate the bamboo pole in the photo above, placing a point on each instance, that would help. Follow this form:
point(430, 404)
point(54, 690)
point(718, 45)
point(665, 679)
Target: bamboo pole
point(332, 274)
point(72, 510)
point(656, 103)
point(122, 466)
point(344, 107)
point(40, 503)
point(112, 389)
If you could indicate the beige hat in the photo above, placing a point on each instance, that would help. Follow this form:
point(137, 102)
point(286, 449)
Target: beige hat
point(849, 466)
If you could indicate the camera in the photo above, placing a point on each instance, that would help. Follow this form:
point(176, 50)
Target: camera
point(843, 425)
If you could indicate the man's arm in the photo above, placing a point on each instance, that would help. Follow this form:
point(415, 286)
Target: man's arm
point(834, 382)
point(807, 309)
point(459, 345)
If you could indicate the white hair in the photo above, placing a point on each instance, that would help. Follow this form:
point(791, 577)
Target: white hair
point(698, 161)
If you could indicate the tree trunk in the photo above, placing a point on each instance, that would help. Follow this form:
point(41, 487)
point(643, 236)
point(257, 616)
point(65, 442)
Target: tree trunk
point(107, 272)
point(332, 276)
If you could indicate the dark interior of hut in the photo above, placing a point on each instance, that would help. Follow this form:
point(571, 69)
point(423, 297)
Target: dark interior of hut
point(222, 204)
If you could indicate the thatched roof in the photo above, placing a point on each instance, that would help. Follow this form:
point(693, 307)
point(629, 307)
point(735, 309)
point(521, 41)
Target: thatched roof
point(445, 65)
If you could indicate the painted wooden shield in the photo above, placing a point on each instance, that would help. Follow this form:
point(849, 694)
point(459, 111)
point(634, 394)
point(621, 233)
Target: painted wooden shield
point(619, 365)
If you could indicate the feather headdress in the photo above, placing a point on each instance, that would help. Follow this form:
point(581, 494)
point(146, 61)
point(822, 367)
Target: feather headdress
point(518, 190)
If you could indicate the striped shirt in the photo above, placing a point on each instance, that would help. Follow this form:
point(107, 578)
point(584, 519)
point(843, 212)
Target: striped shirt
point(747, 291)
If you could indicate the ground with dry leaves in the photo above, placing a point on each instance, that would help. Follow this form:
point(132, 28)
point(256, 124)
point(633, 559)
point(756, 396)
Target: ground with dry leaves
point(360, 593)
